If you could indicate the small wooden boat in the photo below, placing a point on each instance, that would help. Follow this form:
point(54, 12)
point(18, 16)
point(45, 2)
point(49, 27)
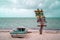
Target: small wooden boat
point(19, 32)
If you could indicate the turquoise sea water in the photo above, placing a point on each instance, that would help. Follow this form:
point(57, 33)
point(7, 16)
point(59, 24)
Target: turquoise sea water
point(9, 23)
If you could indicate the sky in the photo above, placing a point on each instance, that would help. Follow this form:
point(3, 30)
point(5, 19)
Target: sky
point(25, 8)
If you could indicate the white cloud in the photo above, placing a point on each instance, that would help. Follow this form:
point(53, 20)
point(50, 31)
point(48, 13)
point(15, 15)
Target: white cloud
point(25, 8)
point(55, 4)
point(13, 1)
point(8, 12)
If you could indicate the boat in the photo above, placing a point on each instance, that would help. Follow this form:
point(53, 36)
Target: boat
point(19, 32)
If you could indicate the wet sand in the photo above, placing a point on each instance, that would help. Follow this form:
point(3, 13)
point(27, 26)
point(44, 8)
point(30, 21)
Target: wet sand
point(47, 35)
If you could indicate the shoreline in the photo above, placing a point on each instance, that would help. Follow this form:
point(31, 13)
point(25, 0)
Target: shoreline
point(46, 35)
point(32, 30)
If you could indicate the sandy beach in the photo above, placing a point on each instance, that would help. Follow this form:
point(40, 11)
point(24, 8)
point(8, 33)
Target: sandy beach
point(47, 35)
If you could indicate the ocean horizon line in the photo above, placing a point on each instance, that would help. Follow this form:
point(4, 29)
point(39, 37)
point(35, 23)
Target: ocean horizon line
point(27, 17)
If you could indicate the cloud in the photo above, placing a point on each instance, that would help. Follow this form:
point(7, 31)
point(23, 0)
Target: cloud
point(25, 8)
point(29, 4)
point(55, 5)
point(8, 12)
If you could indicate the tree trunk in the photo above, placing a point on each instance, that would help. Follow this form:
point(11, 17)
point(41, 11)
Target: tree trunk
point(41, 28)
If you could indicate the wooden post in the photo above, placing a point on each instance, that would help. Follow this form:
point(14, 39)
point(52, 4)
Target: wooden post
point(41, 28)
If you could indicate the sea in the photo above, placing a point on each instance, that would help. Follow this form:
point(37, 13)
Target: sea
point(10, 23)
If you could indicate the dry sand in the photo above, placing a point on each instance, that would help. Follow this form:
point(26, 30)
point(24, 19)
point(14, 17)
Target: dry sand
point(52, 35)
